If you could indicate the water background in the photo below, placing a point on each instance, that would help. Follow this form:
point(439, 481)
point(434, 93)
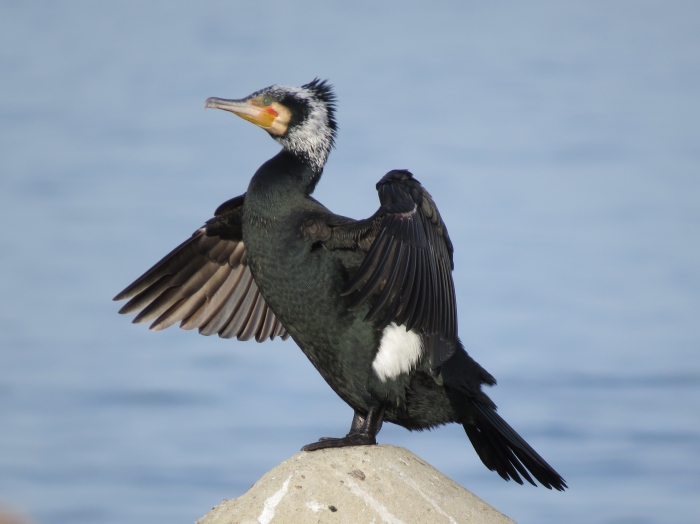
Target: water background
point(560, 140)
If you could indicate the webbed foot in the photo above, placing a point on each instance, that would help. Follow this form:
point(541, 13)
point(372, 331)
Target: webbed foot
point(358, 439)
point(363, 432)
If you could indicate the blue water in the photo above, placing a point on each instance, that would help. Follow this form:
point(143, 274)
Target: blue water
point(560, 140)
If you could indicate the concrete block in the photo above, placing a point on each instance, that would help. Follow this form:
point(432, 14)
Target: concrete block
point(364, 484)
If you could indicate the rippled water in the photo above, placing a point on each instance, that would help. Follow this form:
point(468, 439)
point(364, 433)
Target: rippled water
point(559, 140)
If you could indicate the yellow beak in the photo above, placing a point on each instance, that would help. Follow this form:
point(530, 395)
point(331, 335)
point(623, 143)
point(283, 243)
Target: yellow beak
point(246, 109)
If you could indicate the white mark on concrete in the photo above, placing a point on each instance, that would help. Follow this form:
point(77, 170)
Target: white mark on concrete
point(399, 350)
point(271, 503)
point(315, 506)
point(373, 503)
point(412, 483)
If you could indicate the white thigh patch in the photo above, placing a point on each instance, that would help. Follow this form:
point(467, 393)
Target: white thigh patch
point(399, 350)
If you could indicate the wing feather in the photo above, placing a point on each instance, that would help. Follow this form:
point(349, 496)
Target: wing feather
point(206, 283)
point(406, 274)
point(239, 320)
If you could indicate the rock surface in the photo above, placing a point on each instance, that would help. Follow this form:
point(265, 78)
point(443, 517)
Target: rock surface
point(367, 484)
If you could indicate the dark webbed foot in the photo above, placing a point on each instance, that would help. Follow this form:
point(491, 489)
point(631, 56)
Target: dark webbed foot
point(363, 432)
point(358, 439)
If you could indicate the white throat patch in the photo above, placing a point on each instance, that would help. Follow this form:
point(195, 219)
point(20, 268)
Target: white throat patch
point(399, 351)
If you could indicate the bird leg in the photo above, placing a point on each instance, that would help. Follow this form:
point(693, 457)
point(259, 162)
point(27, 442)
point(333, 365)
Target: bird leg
point(363, 431)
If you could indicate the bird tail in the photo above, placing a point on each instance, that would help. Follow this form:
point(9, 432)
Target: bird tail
point(498, 445)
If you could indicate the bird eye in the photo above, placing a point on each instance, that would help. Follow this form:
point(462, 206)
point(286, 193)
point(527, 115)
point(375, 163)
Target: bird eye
point(267, 101)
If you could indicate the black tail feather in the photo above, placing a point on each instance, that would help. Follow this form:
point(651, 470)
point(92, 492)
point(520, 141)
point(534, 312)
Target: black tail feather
point(498, 445)
point(495, 458)
point(501, 449)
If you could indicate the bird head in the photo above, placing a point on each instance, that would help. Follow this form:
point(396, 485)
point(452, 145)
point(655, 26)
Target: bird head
point(301, 119)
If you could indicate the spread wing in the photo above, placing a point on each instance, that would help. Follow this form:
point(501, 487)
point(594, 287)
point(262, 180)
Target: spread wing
point(206, 283)
point(407, 268)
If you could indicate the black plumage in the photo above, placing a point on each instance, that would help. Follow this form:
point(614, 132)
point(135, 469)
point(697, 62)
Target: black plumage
point(370, 302)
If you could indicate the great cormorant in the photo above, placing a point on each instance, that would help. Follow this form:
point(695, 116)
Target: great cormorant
point(370, 302)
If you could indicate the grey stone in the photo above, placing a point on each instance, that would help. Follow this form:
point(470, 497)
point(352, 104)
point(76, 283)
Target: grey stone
point(367, 484)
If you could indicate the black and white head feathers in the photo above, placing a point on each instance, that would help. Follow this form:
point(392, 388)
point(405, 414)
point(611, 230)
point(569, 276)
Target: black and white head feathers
point(312, 127)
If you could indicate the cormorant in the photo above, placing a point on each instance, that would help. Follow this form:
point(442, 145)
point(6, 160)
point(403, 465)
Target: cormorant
point(370, 302)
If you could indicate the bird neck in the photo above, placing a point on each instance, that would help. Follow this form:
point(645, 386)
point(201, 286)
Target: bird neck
point(280, 181)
